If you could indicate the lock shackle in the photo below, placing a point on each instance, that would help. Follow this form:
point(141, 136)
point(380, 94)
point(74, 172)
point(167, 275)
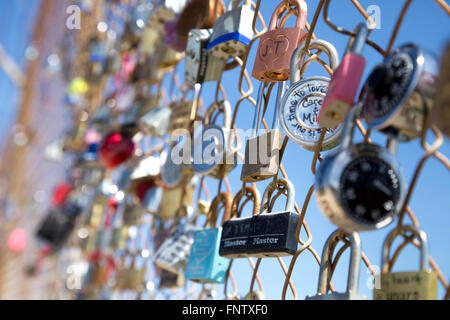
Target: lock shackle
point(257, 119)
point(302, 9)
point(349, 126)
point(356, 43)
point(251, 194)
point(354, 266)
point(401, 230)
point(298, 57)
point(290, 197)
point(224, 198)
point(222, 106)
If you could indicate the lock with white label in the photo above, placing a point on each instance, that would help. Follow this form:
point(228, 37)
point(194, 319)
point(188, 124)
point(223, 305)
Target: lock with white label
point(302, 102)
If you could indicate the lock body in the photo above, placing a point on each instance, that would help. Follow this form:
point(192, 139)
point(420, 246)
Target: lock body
point(156, 121)
point(441, 108)
point(263, 235)
point(400, 113)
point(419, 285)
point(180, 116)
point(201, 66)
point(56, 227)
point(352, 200)
point(174, 252)
point(170, 280)
point(342, 90)
point(205, 265)
point(119, 237)
point(232, 33)
point(165, 10)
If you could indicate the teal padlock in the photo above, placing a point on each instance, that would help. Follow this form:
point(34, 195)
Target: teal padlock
point(205, 265)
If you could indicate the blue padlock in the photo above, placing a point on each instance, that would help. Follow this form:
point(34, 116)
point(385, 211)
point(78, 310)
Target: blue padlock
point(233, 31)
point(205, 265)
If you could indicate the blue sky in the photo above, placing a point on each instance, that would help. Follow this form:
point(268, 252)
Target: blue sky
point(425, 24)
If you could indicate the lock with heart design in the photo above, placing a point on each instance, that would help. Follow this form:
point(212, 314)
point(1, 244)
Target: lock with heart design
point(236, 230)
point(262, 152)
point(412, 285)
point(213, 154)
point(173, 254)
point(345, 81)
point(277, 45)
point(302, 102)
point(359, 186)
point(326, 268)
point(205, 265)
point(399, 92)
point(233, 31)
point(201, 66)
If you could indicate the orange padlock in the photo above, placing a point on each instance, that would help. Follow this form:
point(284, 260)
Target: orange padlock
point(277, 45)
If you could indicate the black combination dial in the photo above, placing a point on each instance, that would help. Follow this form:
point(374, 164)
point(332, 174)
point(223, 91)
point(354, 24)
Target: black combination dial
point(369, 190)
point(388, 84)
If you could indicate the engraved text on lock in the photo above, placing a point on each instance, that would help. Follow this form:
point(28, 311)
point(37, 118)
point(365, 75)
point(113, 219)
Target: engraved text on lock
point(273, 49)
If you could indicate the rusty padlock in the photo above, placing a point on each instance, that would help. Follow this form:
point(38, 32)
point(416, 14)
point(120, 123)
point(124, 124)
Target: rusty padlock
point(277, 45)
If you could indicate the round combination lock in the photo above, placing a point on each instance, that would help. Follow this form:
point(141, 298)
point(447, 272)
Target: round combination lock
point(398, 92)
point(299, 111)
point(360, 187)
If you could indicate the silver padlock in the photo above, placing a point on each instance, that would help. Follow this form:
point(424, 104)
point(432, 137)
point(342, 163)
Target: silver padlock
point(174, 172)
point(201, 66)
point(156, 121)
point(359, 186)
point(222, 157)
point(301, 104)
point(233, 31)
point(399, 93)
point(152, 200)
point(351, 292)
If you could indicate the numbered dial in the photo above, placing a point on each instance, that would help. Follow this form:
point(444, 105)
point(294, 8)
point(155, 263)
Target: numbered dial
point(299, 111)
point(389, 85)
point(369, 190)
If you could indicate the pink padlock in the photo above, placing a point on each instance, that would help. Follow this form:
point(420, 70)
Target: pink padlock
point(345, 82)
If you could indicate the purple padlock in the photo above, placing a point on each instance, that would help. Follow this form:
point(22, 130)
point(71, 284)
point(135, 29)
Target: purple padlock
point(171, 36)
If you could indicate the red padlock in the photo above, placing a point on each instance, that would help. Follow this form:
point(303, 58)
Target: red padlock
point(344, 82)
point(276, 46)
point(115, 149)
point(60, 194)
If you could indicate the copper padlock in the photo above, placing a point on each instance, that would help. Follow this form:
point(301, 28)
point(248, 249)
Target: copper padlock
point(199, 14)
point(276, 46)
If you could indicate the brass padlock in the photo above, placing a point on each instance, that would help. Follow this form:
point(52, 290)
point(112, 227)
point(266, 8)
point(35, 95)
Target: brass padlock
point(325, 272)
point(262, 152)
point(132, 211)
point(441, 107)
point(222, 157)
point(276, 46)
point(119, 238)
point(413, 285)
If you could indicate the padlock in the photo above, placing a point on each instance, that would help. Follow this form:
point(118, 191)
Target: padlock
point(236, 230)
point(164, 11)
point(255, 295)
point(57, 226)
point(301, 103)
point(134, 279)
point(166, 57)
point(276, 46)
point(268, 234)
point(146, 71)
point(413, 285)
point(201, 66)
point(183, 110)
point(233, 31)
point(175, 171)
point(198, 14)
point(325, 272)
point(132, 211)
point(119, 238)
point(441, 107)
point(345, 81)
point(262, 152)
point(399, 92)
point(177, 199)
point(156, 122)
point(152, 200)
point(115, 149)
point(205, 265)
point(135, 26)
point(173, 254)
point(348, 191)
point(222, 157)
